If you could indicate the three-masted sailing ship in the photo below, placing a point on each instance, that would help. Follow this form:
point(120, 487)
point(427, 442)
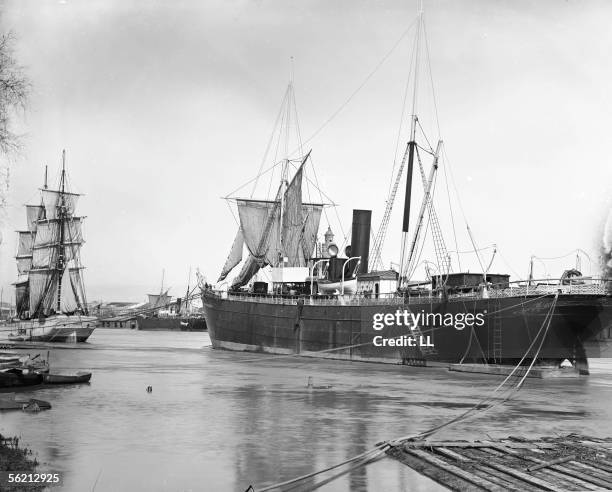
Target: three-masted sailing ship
point(295, 311)
point(50, 296)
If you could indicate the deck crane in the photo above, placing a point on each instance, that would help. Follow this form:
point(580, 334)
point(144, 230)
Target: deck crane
point(427, 204)
point(438, 239)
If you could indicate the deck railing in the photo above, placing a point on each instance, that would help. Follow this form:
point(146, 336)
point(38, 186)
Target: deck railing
point(512, 289)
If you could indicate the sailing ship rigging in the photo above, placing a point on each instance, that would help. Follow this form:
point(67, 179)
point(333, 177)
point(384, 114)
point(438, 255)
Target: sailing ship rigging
point(50, 287)
point(324, 319)
point(282, 232)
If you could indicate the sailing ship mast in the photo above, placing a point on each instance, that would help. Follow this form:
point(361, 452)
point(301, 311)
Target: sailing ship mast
point(61, 209)
point(410, 149)
point(408, 256)
point(46, 249)
point(187, 300)
point(280, 232)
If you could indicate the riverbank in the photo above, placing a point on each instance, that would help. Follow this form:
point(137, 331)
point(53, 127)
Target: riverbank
point(14, 458)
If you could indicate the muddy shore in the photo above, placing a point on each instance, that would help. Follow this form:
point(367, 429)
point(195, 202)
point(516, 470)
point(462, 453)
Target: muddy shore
point(15, 458)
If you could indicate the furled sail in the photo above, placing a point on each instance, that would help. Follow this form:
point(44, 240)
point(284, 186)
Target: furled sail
point(250, 267)
point(272, 239)
point(234, 257)
point(293, 223)
point(259, 221)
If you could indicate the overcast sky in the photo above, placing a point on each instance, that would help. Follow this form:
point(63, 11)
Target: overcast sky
point(164, 107)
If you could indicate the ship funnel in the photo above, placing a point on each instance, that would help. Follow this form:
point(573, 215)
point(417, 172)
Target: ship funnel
point(360, 238)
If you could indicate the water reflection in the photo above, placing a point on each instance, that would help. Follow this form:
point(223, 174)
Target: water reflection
point(223, 420)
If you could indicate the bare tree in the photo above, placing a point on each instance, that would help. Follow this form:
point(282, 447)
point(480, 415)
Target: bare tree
point(14, 90)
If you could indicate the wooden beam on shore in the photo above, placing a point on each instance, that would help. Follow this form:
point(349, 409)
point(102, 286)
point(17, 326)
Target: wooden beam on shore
point(454, 470)
point(515, 463)
point(547, 464)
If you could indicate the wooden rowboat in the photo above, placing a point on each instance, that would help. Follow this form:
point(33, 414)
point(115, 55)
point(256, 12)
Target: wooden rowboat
point(79, 377)
point(15, 377)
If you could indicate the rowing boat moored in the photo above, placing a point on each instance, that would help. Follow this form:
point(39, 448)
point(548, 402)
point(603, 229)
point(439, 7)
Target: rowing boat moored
point(79, 377)
point(14, 377)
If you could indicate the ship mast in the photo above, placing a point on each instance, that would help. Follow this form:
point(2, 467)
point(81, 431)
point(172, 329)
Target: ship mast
point(285, 170)
point(60, 217)
point(411, 148)
point(187, 293)
point(161, 289)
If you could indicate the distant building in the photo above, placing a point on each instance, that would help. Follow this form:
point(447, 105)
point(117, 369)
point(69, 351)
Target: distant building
point(324, 246)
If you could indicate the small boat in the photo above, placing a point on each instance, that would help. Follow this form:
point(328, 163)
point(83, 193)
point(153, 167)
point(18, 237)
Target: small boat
point(15, 377)
point(9, 360)
point(78, 377)
point(30, 404)
point(9, 356)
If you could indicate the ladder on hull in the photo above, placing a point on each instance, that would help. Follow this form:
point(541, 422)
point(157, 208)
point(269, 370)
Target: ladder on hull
point(497, 335)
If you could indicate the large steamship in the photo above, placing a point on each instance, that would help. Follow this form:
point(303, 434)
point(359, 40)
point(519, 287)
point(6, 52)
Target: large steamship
point(316, 303)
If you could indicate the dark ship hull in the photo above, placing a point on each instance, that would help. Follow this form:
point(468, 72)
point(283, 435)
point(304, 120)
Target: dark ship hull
point(601, 344)
point(57, 328)
point(334, 330)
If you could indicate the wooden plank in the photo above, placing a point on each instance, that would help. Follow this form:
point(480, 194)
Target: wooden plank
point(527, 444)
point(480, 464)
point(503, 480)
point(452, 454)
point(588, 473)
point(581, 476)
point(557, 475)
point(433, 472)
point(565, 479)
point(441, 444)
point(476, 444)
point(556, 461)
point(565, 471)
point(597, 464)
point(524, 477)
point(454, 470)
point(505, 449)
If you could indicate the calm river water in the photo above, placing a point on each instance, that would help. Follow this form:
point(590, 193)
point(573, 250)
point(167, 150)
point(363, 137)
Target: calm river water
point(219, 421)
